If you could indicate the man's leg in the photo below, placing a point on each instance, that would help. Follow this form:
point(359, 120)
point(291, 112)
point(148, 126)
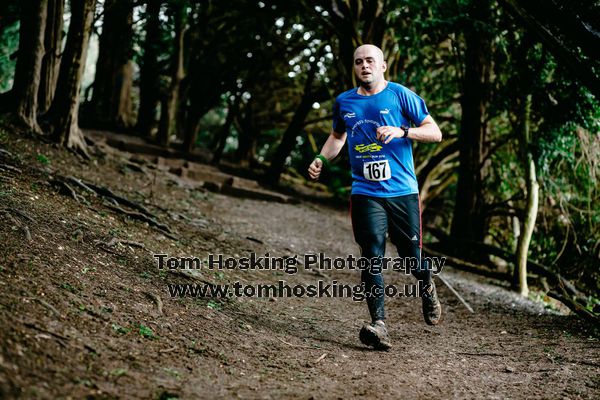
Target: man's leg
point(405, 233)
point(369, 224)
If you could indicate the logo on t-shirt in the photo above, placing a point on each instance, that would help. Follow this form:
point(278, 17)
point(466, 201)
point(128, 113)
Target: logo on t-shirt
point(349, 115)
point(361, 148)
point(385, 111)
point(369, 125)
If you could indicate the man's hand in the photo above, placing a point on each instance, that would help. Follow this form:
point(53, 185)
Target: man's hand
point(314, 170)
point(385, 134)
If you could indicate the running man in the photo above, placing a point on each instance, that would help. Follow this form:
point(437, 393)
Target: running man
point(376, 120)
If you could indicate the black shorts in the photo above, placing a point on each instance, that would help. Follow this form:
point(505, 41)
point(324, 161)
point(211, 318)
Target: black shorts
point(374, 217)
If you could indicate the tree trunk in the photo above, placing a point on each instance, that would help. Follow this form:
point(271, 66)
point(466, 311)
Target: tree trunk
point(532, 199)
point(288, 142)
point(182, 110)
point(515, 224)
point(111, 99)
point(168, 113)
point(445, 149)
point(194, 113)
point(149, 71)
point(223, 133)
point(248, 132)
point(201, 101)
point(437, 180)
point(469, 220)
point(62, 116)
point(162, 136)
point(29, 62)
point(52, 48)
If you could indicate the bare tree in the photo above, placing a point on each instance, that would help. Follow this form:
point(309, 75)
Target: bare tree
point(29, 62)
point(149, 71)
point(531, 209)
point(288, 142)
point(111, 99)
point(61, 119)
point(52, 49)
point(168, 111)
point(469, 218)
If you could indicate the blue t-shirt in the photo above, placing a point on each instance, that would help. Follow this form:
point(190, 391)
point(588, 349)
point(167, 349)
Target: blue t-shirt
point(378, 169)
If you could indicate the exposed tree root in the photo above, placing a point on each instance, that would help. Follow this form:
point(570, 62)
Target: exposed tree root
point(27, 233)
point(140, 217)
point(10, 168)
point(66, 189)
point(18, 223)
point(21, 214)
point(156, 299)
point(575, 306)
point(47, 305)
point(79, 183)
point(106, 192)
point(114, 202)
point(467, 265)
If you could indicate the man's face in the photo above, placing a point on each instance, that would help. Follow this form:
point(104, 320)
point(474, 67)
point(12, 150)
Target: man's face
point(369, 65)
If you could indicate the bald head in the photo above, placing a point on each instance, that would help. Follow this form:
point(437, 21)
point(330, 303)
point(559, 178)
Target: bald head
point(369, 50)
point(369, 65)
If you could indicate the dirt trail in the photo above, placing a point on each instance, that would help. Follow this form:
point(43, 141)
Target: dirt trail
point(80, 317)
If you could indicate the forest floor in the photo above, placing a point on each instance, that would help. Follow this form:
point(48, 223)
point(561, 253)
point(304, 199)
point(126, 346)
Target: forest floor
point(85, 311)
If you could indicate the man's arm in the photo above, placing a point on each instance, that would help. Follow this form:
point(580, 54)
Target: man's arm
point(428, 131)
point(330, 150)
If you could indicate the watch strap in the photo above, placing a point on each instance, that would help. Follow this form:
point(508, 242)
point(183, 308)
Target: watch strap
point(405, 130)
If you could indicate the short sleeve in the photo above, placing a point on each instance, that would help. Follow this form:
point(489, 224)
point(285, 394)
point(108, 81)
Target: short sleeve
point(339, 125)
point(413, 106)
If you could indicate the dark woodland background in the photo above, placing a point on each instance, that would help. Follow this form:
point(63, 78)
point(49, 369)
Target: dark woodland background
point(514, 85)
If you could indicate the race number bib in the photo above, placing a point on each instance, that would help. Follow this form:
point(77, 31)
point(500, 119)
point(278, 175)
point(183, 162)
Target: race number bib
point(377, 170)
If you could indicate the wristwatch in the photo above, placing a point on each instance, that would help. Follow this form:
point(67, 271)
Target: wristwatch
point(405, 130)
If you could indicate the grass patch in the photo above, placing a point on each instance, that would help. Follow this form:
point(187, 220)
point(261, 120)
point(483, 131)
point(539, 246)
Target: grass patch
point(43, 159)
point(146, 332)
point(121, 330)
